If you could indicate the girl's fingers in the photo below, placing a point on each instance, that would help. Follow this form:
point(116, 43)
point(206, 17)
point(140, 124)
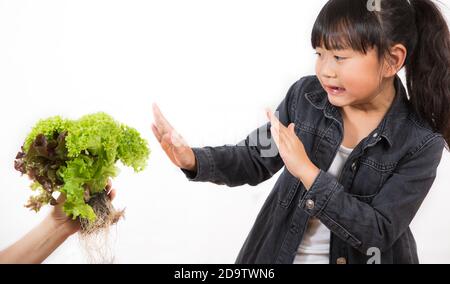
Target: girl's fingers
point(274, 121)
point(275, 135)
point(165, 139)
point(169, 149)
point(176, 139)
point(276, 129)
point(269, 116)
point(281, 135)
point(166, 142)
point(281, 138)
point(156, 133)
point(268, 113)
point(161, 122)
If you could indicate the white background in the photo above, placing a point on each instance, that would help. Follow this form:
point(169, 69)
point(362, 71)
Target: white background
point(212, 66)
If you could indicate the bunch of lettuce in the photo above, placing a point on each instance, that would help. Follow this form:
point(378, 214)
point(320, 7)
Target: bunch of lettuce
point(76, 158)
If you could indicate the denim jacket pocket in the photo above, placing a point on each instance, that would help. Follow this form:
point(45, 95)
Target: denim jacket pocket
point(369, 179)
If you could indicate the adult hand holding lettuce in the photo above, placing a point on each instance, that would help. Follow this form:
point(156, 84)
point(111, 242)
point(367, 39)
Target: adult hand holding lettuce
point(47, 236)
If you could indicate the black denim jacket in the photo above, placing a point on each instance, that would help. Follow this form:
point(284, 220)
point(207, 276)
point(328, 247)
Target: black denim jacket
point(368, 208)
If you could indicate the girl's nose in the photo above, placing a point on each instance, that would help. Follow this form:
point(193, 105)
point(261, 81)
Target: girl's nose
point(328, 73)
point(327, 70)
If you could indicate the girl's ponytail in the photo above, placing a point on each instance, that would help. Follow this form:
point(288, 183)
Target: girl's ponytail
point(428, 67)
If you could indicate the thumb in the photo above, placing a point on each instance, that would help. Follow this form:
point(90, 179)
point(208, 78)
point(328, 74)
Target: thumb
point(291, 128)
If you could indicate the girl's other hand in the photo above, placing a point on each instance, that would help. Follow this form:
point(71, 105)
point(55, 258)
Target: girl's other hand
point(292, 151)
point(172, 143)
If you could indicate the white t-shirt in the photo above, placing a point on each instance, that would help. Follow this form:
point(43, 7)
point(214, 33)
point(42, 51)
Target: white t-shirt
point(315, 245)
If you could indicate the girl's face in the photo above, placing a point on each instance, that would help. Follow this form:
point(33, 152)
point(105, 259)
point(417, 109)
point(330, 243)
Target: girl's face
point(348, 76)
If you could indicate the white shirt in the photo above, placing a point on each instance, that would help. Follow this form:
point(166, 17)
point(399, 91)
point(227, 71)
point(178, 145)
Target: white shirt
point(315, 245)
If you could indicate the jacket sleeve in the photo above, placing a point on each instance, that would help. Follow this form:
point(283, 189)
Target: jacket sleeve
point(382, 222)
point(252, 160)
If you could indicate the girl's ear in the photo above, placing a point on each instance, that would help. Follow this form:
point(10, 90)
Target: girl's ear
point(395, 60)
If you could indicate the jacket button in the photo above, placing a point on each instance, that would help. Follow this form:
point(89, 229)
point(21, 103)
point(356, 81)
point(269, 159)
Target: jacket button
point(309, 204)
point(354, 166)
point(341, 260)
point(375, 135)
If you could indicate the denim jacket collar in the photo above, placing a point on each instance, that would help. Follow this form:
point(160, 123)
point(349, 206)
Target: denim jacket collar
point(399, 108)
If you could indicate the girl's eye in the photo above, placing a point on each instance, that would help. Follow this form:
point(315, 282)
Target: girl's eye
point(318, 54)
point(339, 58)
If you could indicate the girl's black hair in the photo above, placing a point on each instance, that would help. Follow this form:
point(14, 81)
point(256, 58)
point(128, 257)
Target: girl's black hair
point(417, 24)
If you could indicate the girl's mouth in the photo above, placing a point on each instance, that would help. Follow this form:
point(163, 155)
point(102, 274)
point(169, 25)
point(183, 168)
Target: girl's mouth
point(334, 90)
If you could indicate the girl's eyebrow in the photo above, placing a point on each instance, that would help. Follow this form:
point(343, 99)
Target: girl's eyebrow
point(345, 50)
point(348, 50)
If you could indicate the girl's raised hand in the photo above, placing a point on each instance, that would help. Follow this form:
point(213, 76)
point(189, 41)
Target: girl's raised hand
point(171, 142)
point(289, 145)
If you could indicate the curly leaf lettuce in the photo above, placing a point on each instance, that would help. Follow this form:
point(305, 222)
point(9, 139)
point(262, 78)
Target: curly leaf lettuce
point(76, 158)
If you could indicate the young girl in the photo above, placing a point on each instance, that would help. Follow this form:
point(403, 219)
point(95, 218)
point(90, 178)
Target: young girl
point(359, 153)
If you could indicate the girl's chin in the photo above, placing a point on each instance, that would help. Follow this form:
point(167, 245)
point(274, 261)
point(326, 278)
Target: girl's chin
point(337, 101)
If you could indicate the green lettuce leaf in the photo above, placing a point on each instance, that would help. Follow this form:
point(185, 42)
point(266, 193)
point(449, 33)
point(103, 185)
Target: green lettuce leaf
point(77, 157)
